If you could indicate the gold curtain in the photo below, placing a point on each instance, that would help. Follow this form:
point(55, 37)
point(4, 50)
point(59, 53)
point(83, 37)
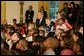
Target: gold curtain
point(45, 4)
point(3, 12)
point(61, 5)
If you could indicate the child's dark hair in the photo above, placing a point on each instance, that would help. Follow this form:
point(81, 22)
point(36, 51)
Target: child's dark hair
point(52, 23)
point(14, 20)
point(39, 39)
point(78, 34)
point(62, 19)
point(47, 18)
point(58, 12)
point(73, 4)
point(66, 3)
point(42, 31)
point(51, 34)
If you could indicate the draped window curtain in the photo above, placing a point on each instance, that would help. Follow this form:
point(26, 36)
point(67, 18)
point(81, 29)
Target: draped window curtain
point(54, 5)
point(51, 7)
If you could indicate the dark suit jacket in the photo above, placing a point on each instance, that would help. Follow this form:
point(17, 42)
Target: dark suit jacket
point(31, 13)
point(44, 14)
point(41, 24)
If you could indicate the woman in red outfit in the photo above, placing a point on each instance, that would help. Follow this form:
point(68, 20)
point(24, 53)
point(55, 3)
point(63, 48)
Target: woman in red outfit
point(59, 15)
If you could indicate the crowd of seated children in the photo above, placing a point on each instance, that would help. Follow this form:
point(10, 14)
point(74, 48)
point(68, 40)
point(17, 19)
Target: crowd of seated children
point(43, 37)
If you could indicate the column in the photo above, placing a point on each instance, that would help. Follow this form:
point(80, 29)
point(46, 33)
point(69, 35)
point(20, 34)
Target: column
point(3, 12)
point(21, 11)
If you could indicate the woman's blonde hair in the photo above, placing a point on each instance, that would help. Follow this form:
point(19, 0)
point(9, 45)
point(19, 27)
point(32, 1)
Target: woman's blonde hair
point(23, 43)
point(53, 42)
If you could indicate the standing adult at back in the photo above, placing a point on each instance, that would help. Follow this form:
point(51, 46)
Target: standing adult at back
point(66, 10)
point(72, 15)
point(42, 9)
point(29, 14)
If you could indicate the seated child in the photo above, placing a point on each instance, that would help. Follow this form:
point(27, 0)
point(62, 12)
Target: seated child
point(60, 15)
point(61, 25)
point(42, 33)
point(49, 27)
point(29, 37)
point(31, 26)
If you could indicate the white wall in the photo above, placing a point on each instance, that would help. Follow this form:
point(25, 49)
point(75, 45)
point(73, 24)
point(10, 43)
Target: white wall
point(12, 11)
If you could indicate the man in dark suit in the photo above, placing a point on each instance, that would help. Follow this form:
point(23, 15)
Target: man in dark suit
point(29, 15)
point(40, 21)
point(44, 12)
point(66, 10)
